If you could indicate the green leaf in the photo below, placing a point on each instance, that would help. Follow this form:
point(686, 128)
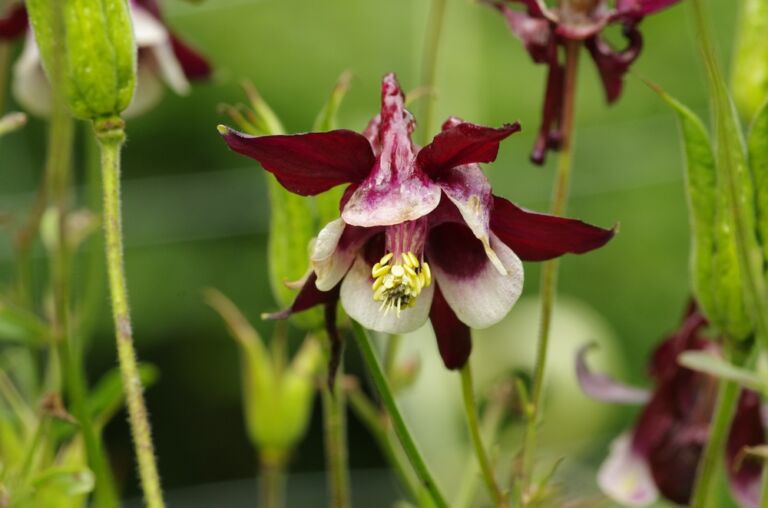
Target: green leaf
point(749, 76)
point(701, 193)
point(709, 363)
point(20, 326)
point(758, 160)
point(68, 481)
point(107, 396)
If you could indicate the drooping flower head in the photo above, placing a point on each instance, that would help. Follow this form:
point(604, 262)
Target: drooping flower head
point(544, 30)
point(420, 235)
point(163, 59)
point(661, 453)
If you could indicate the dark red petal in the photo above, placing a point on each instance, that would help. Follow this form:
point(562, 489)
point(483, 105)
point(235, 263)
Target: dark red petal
point(307, 164)
point(613, 64)
point(309, 296)
point(534, 31)
point(551, 112)
point(453, 337)
point(537, 236)
point(640, 8)
point(746, 431)
point(194, 65)
point(14, 23)
point(465, 143)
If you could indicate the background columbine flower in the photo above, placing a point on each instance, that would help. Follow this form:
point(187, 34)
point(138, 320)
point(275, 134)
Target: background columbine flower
point(420, 234)
point(544, 31)
point(13, 22)
point(162, 58)
point(661, 453)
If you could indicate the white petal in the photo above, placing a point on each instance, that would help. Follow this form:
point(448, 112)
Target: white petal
point(357, 300)
point(330, 264)
point(483, 298)
point(152, 35)
point(30, 84)
point(625, 476)
point(147, 29)
point(149, 89)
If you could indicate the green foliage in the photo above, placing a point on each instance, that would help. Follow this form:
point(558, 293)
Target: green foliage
point(715, 268)
point(21, 326)
point(90, 45)
point(758, 160)
point(749, 76)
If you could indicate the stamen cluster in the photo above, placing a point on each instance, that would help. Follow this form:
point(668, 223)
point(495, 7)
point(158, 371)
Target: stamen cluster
point(397, 285)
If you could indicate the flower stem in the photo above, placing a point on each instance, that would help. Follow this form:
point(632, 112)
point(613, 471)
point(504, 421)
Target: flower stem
point(401, 429)
point(272, 484)
point(429, 63)
point(705, 492)
point(335, 430)
point(111, 136)
point(470, 408)
point(550, 268)
point(5, 63)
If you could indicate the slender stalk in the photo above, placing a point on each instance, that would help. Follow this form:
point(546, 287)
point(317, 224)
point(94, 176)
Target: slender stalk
point(111, 137)
point(335, 429)
point(390, 354)
point(370, 416)
point(58, 177)
point(470, 408)
point(705, 492)
point(429, 63)
point(401, 429)
point(272, 481)
point(550, 268)
point(5, 63)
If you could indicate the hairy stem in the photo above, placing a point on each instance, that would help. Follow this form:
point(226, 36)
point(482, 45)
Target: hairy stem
point(550, 268)
point(401, 429)
point(429, 63)
point(335, 429)
point(111, 137)
point(470, 408)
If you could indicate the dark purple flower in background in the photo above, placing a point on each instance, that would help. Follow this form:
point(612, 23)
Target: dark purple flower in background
point(545, 30)
point(163, 59)
point(661, 453)
point(13, 22)
point(420, 235)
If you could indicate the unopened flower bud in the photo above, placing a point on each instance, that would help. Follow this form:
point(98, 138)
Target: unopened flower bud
point(90, 45)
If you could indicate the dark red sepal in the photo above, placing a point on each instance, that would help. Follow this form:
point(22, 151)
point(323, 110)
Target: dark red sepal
point(14, 23)
point(538, 237)
point(309, 296)
point(612, 64)
point(307, 164)
point(194, 65)
point(453, 337)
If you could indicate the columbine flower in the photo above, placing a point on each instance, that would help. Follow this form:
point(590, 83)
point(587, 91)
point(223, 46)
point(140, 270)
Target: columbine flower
point(163, 57)
point(661, 454)
point(544, 30)
point(420, 234)
point(13, 22)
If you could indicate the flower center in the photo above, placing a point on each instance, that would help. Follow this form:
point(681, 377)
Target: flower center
point(397, 282)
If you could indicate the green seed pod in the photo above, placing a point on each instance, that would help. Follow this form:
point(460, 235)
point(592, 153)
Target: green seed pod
point(89, 46)
point(749, 76)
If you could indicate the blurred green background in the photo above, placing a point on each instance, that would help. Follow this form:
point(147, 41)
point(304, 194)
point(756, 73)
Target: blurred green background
point(196, 216)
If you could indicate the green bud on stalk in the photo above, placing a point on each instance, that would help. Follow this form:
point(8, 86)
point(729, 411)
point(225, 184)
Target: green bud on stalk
point(96, 55)
point(277, 398)
point(749, 76)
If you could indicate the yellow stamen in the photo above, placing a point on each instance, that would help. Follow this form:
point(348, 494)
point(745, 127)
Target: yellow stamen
point(397, 285)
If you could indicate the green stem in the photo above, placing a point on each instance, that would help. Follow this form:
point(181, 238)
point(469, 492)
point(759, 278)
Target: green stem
point(550, 268)
point(5, 63)
point(401, 429)
point(335, 429)
point(58, 177)
point(390, 354)
point(272, 481)
point(706, 488)
point(370, 416)
point(111, 136)
point(470, 408)
point(429, 64)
